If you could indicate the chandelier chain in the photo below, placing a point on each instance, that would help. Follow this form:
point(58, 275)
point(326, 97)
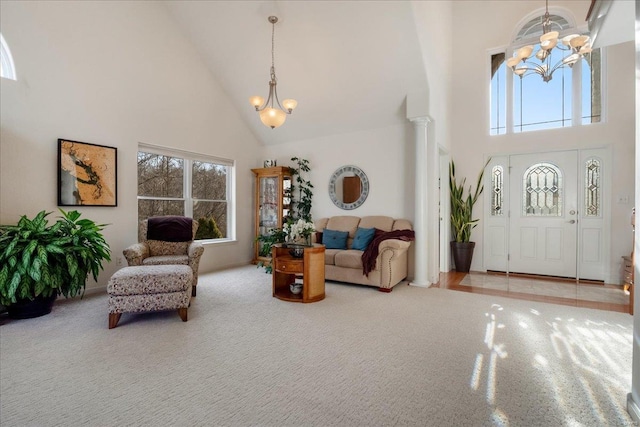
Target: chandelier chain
point(273, 50)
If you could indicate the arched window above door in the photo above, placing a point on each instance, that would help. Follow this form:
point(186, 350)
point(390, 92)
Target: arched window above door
point(572, 97)
point(7, 67)
point(533, 28)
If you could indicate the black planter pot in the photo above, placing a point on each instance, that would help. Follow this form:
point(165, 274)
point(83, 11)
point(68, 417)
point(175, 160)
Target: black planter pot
point(462, 255)
point(27, 309)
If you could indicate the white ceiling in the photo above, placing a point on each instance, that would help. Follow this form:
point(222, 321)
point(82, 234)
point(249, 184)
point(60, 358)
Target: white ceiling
point(348, 64)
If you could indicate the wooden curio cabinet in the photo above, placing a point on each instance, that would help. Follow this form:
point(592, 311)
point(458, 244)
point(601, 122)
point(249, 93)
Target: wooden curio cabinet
point(273, 201)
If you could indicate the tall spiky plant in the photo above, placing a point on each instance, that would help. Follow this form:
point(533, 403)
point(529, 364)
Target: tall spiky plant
point(462, 221)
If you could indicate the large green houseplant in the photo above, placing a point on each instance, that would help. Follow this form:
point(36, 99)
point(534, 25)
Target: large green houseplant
point(41, 261)
point(462, 221)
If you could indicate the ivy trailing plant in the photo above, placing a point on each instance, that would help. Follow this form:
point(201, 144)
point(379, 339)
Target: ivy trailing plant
point(40, 260)
point(301, 208)
point(275, 235)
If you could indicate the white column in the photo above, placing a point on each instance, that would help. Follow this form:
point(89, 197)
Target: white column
point(433, 213)
point(633, 398)
point(420, 224)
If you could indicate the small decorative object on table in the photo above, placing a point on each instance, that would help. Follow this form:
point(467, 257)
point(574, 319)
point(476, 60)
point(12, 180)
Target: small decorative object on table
point(296, 251)
point(270, 163)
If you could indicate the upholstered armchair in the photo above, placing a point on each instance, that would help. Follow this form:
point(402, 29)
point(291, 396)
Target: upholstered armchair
point(167, 240)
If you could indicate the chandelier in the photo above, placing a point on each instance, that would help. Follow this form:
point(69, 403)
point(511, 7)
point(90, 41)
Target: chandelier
point(573, 46)
point(271, 112)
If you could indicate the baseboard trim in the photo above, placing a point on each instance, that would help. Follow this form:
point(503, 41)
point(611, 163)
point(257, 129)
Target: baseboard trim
point(632, 408)
point(420, 285)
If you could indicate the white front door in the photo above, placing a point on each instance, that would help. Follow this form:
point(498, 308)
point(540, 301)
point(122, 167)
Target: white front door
point(544, 213)
point(542, 240)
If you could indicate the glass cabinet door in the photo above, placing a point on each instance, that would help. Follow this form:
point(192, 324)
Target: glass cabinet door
point(286, 196)
point(273, 204)
point(268, 215)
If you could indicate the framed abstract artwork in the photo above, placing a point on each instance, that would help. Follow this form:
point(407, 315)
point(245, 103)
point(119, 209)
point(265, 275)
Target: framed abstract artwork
point(86, 174)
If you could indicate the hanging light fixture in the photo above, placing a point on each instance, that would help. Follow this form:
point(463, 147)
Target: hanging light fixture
point(575, 45)
point(272, 114)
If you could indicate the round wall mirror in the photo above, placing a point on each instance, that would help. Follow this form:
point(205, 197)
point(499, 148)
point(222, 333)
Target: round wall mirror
point(348, 187)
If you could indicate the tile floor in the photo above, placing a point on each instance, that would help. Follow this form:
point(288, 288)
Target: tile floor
point(564, 292)
point(561, 289)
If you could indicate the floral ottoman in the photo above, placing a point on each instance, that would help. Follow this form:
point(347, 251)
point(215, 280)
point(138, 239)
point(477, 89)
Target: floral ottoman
point(149, 288)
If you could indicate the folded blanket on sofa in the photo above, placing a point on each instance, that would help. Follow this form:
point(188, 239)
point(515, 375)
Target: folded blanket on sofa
point(170, 228)
point(371, 253)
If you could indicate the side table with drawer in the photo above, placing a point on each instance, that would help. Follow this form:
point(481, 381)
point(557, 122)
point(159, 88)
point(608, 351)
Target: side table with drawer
point(310, 268)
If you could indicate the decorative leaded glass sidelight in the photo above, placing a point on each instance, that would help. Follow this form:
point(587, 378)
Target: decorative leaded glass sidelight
point(542, 190)
point(497, 191)
point(592, 188)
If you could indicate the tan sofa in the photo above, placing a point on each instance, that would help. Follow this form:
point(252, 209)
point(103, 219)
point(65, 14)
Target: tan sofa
point(346, 265)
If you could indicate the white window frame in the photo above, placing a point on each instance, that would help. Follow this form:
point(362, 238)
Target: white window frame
point(189, 158)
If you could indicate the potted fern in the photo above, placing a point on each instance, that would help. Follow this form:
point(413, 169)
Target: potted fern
point(462, 221)
point(41, 261)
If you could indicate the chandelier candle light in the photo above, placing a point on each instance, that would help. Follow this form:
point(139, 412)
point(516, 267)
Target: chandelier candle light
point(273, 115)
point(522, 61)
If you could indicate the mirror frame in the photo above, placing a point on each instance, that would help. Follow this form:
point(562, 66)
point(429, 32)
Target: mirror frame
point(364, 181)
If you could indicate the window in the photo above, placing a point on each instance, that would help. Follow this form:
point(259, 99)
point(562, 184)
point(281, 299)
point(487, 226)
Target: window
point(498, 94)
point(7, 68)
point(178, 183)
point(572, 97)
point(592, 188)
point(542, 191)
point(497, 190)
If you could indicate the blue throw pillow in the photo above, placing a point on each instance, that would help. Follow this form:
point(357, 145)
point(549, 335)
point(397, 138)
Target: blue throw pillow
point(363, 237)
point(333, 239)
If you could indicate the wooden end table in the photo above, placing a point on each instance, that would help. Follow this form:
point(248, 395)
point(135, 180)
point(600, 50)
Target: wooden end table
point(286, 268)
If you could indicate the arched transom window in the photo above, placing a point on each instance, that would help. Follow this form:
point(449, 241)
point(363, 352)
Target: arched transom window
point(572, 97)
point(7, 68)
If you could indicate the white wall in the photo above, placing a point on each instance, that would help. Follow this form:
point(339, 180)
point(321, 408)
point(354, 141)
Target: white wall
point(471, 142)
point(385, 156)
point(116, 74)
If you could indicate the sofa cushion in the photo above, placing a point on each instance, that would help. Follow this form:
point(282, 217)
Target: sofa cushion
point(364, 236)
point(159, 248)
point(349, 259)
point(344, 223)
point(334, 239)
point(402, 224)
point(380, 222)
point(330, 256)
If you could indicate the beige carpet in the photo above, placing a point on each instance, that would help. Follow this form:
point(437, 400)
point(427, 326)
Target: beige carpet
point(418, 357)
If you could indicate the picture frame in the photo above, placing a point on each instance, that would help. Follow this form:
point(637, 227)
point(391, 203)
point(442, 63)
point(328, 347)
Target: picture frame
point(87, 174)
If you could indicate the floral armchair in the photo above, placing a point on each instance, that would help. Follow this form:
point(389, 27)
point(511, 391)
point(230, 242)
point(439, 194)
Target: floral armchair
point(156, 248)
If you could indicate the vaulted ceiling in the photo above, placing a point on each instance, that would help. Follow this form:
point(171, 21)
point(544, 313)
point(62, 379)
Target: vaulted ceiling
point(348, 64)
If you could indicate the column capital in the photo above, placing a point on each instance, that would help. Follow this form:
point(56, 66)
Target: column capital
point(420, 120)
